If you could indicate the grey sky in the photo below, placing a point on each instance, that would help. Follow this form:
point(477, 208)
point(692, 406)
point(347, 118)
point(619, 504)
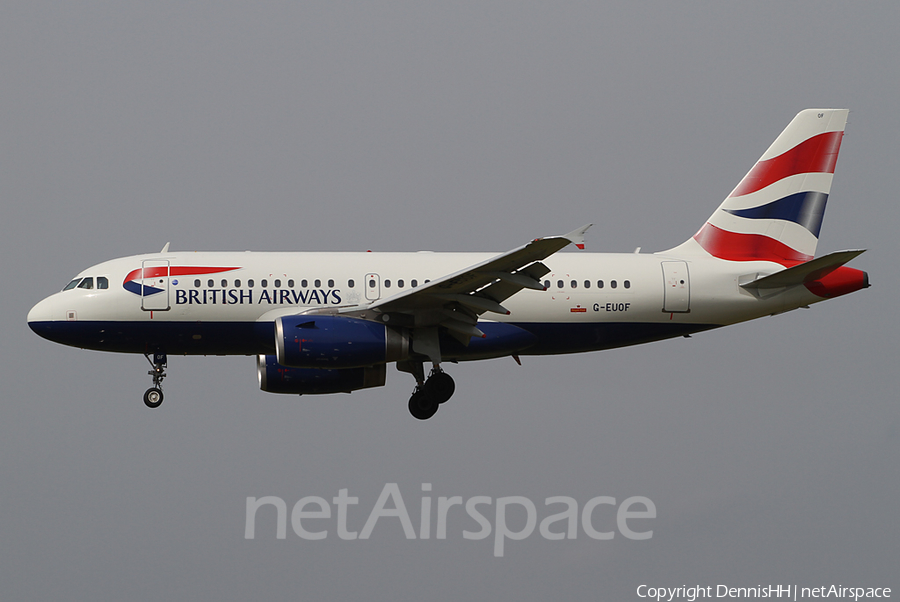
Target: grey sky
point(771, 449)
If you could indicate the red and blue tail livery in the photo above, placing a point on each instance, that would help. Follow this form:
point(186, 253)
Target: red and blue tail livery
point(775, 213)
point(325, 323)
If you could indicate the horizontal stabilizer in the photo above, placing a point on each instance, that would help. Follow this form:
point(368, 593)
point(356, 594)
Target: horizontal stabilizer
point(805, 272)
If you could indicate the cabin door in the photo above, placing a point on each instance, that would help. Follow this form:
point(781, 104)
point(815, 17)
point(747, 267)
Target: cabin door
point(155, 285)
point(677, 282)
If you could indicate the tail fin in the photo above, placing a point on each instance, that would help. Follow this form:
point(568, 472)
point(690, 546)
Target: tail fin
point(775, 213)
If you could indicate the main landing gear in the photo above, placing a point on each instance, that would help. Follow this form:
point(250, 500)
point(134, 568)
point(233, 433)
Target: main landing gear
point(153, 396)
point(431, 393)
point(428, 394)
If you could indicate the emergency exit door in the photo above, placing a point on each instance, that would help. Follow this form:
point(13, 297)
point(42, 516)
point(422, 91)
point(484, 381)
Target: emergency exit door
point(373, 287)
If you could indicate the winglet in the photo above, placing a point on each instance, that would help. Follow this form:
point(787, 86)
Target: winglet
point(577, 236)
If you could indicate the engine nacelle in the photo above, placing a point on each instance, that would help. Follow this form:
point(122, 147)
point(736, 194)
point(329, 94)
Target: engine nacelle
point(337, 342)
point(275, 378)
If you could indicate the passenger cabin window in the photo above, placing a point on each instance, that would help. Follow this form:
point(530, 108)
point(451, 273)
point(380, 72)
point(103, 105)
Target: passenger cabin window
point(414, 283)
point(612, 284)
point(264, 283)
point(599, 284)
point(627, 284)
point(330, 283)
point(210, 283)
point(318, 283)
point(102, 282)
point(237, 284)
point(250, 283)
point(72, 284)
point(574, 284)
point(400, 283)
point(350, 283)
point(304, 283)
point(197, 283)
point(291, 283)
point(559, 284)
point(278, 283)
point(87, 283)
point(587, 284)
point(387, 284)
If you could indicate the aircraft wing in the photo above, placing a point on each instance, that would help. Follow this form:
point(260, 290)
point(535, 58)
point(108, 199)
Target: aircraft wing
point(455, 301)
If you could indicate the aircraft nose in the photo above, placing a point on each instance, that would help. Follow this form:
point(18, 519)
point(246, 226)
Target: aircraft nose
point(43, 314)
point(37, 313)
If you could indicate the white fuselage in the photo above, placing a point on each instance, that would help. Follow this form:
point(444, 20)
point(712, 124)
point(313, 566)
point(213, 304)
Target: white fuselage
point(631, 293)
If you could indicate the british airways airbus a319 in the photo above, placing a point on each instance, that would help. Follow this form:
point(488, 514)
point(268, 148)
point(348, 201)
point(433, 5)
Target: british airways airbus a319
point(321, 323)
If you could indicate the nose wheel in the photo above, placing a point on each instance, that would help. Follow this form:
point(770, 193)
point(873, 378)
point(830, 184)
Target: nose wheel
point(153, 397)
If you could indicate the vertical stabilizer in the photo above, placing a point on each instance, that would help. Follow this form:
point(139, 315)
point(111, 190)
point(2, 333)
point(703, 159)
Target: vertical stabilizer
point(775, 212)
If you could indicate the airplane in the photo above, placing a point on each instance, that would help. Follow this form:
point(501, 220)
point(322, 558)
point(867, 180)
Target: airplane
point(330, 322)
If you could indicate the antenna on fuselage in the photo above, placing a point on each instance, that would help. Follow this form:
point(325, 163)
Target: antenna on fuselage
point(165, 249)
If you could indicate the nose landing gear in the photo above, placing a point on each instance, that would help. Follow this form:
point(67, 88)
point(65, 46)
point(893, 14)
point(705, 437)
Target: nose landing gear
point(153, 396)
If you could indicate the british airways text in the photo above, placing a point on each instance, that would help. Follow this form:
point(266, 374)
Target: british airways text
point(237, 296)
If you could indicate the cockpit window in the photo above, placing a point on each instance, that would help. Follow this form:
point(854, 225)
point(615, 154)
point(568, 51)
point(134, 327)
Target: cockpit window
point(88, 283)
